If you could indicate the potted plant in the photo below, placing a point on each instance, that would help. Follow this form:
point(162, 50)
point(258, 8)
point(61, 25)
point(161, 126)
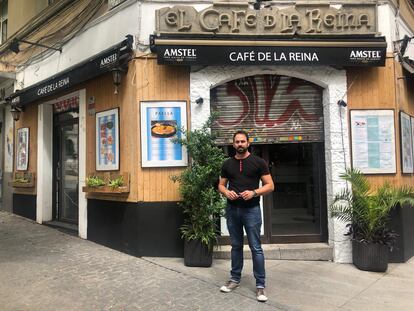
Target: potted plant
point(201, 203)
point(107, 183)
point(116, 182)
point(367, 213)
point(95, 181)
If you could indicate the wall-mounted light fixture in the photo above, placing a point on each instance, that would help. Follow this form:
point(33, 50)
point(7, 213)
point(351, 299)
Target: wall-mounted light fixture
point(342, 103)
point(16, 111)
point(403, 44)
point(117, 78)
point(14, 45)
point(199, 100)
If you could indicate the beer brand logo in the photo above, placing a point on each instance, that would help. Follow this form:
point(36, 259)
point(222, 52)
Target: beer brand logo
point(180, 54)
point(109, 60)
point(365, 55)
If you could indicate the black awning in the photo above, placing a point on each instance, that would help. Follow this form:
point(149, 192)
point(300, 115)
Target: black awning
point(113, 57)
point(323, 51)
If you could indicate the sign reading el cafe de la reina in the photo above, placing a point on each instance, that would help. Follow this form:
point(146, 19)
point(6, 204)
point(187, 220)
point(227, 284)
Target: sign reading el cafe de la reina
point(301, 19)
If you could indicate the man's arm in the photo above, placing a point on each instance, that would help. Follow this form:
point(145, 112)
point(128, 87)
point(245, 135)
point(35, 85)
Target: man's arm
point(267, 187)
point(222, 187)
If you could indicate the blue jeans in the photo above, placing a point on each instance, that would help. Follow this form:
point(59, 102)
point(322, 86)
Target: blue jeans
point(251, 220)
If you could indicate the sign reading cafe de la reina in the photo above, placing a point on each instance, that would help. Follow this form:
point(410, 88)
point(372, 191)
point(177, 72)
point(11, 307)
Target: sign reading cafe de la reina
point(238, 18)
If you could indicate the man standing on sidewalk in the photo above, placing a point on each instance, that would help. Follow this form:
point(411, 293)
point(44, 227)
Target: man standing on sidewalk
point(242, 174)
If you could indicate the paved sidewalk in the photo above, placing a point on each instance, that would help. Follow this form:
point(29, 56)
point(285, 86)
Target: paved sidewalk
point(44, 269)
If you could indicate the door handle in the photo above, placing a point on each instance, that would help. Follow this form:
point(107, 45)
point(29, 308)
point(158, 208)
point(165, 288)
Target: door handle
point(58, 171)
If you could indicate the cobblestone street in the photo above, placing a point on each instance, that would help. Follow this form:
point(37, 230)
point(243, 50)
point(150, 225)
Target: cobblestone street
point(44, 269)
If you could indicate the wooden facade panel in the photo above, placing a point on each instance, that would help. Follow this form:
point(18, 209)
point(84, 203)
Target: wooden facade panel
point(156, 82)
point(28, 119)
point(383, 88)
point(102, 89)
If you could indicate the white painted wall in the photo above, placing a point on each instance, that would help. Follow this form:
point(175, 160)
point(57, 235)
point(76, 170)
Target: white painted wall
point(385, 24)
point(103, 33)
point(82, 201)
point(44, 176)
point(394, 28)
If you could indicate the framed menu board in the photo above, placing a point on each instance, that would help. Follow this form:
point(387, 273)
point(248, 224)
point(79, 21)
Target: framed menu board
point(107, 140)
point(373, 141)
point(161, 121)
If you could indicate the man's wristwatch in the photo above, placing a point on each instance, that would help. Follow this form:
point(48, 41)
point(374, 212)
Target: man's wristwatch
point(254, 193)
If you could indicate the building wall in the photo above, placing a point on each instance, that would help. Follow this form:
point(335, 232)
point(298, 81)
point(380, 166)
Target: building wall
point(21, 11)
point(110, 28)
point(365, 88)
point(383, 88)
point(333, 82)
point(28, 119)
point(145, 81)
point(154, 82)
point(407, 13)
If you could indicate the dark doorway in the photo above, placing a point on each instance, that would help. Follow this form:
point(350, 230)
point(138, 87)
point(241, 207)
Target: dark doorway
point(66, 167)
point(296, 211)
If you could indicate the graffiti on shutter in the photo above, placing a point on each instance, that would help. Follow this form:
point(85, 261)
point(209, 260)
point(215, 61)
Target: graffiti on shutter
point(271, 108)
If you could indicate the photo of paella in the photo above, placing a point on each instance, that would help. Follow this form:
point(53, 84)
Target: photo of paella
point(163, 129)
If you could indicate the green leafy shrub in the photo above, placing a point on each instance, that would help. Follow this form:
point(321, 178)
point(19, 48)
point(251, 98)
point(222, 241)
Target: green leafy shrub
point(202, 204)
point(94, 181)
point(367, 210)
point(21, 180)
point(116, 183)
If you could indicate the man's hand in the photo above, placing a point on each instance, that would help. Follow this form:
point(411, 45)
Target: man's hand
point(231, 195)
point(247, 195)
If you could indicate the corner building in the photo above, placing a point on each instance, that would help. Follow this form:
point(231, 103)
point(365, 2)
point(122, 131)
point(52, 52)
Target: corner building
point(320, 87)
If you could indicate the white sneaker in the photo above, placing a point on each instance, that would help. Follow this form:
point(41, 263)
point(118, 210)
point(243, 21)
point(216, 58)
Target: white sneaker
point(260, 295)
point(229, 286)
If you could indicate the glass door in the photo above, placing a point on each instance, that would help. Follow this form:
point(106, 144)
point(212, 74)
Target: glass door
point(296, 210)
point(66, 169)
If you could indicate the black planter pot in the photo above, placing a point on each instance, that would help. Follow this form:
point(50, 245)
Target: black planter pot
point(197, 254)
point(369, 256)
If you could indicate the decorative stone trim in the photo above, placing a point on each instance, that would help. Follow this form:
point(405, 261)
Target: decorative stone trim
point(337, 155)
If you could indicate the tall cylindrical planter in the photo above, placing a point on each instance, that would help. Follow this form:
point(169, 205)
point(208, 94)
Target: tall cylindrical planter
point(370, 256)
point(197, 254)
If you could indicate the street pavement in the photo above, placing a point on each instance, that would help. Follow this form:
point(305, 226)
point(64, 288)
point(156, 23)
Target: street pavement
point(42, 268)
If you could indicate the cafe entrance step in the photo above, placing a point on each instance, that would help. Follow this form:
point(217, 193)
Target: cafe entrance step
point(302, 251)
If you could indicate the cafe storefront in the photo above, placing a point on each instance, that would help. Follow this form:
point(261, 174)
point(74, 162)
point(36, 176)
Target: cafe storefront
point(297, 76)
point(51, 139)
point(281, 75)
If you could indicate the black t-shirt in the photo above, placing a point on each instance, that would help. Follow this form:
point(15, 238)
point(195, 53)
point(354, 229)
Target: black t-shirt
point(244, 175)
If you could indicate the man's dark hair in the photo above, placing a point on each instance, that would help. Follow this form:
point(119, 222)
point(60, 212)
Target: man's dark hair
point(241, 132)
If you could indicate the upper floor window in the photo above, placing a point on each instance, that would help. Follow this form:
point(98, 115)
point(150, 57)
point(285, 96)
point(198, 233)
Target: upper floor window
point(3, 20)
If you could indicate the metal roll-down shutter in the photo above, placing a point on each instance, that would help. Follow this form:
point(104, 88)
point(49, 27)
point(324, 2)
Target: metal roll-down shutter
point(271, 108)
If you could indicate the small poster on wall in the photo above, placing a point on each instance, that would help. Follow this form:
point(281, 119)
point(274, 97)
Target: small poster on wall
point(107, 140)
point(160, 123)
point(22, 149)
point(9, 147)
point(406, 144)
point(373, 141)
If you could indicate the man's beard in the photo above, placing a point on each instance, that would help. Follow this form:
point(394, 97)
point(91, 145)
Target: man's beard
point(241, 150)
